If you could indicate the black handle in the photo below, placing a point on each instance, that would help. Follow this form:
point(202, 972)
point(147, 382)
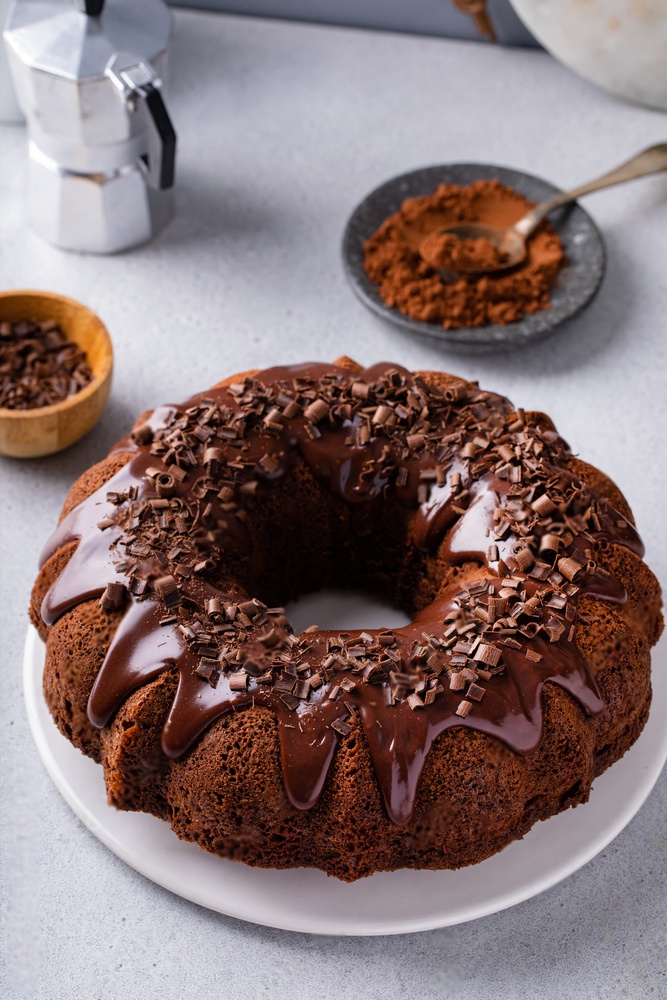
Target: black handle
point(91, 7)
point(161, 159)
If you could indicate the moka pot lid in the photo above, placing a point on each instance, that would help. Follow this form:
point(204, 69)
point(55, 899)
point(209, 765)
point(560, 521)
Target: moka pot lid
point(59, 37)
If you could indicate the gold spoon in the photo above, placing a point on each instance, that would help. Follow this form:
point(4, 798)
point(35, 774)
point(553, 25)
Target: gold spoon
point(510, 241)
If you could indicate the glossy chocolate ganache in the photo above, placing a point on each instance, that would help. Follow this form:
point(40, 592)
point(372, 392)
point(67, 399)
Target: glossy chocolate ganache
point(476, 481)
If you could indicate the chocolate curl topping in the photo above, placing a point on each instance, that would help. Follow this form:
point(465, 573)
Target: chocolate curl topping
point(477, 657)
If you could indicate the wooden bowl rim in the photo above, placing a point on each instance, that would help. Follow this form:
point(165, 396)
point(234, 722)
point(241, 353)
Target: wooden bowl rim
point(95, 383)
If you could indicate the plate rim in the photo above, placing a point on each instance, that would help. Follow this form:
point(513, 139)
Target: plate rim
point(36, 708)
point(488, 338)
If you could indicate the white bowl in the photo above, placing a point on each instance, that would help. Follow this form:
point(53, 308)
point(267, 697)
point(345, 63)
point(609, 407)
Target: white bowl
point(621, 45)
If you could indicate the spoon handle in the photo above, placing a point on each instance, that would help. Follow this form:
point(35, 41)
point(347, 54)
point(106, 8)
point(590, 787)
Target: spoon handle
point(651, 161)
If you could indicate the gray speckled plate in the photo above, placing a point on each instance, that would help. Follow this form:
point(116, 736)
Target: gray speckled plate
point(577, 283)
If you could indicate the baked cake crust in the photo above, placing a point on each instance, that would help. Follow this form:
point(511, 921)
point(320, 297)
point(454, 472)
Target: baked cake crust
point(230, 789)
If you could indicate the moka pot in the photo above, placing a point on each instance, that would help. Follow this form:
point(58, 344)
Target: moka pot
point(89, 77)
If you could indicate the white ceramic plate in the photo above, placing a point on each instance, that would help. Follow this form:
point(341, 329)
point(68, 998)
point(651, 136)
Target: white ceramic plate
point(386, 903)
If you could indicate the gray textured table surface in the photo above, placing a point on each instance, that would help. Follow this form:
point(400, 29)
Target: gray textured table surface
point(283, 128)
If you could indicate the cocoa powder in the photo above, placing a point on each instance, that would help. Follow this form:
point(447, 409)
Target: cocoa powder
point(446, 251)
point(406, 281)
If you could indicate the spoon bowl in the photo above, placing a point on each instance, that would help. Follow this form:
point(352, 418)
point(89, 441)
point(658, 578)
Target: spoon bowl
point(509, 244)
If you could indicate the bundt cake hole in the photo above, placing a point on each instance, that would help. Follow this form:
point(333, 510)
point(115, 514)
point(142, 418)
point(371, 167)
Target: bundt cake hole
point(293, 555)
point(345, 610)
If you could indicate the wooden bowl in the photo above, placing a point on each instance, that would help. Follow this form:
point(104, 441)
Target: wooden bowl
point(47, 429)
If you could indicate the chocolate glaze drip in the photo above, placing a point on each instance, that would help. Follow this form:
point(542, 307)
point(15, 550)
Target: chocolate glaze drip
point(461, 516)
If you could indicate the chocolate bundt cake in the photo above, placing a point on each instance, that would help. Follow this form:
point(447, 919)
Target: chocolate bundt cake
point(524, 673)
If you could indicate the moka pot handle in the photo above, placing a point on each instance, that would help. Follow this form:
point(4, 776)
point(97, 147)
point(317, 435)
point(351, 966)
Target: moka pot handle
point(139, 86)
point(91, 7)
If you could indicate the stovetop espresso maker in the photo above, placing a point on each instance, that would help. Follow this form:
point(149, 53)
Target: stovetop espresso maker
point(89, 77)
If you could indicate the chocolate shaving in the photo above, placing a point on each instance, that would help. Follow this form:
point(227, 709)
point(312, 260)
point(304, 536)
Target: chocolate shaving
point(166, 589)
point(341, 727)
point(113, 597)
point(317, 411)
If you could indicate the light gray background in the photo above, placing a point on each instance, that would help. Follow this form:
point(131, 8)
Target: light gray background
point(282, 129)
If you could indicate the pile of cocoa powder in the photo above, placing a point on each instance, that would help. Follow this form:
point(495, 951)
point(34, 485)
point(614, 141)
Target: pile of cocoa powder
point(406, 281)
point(446, 251)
